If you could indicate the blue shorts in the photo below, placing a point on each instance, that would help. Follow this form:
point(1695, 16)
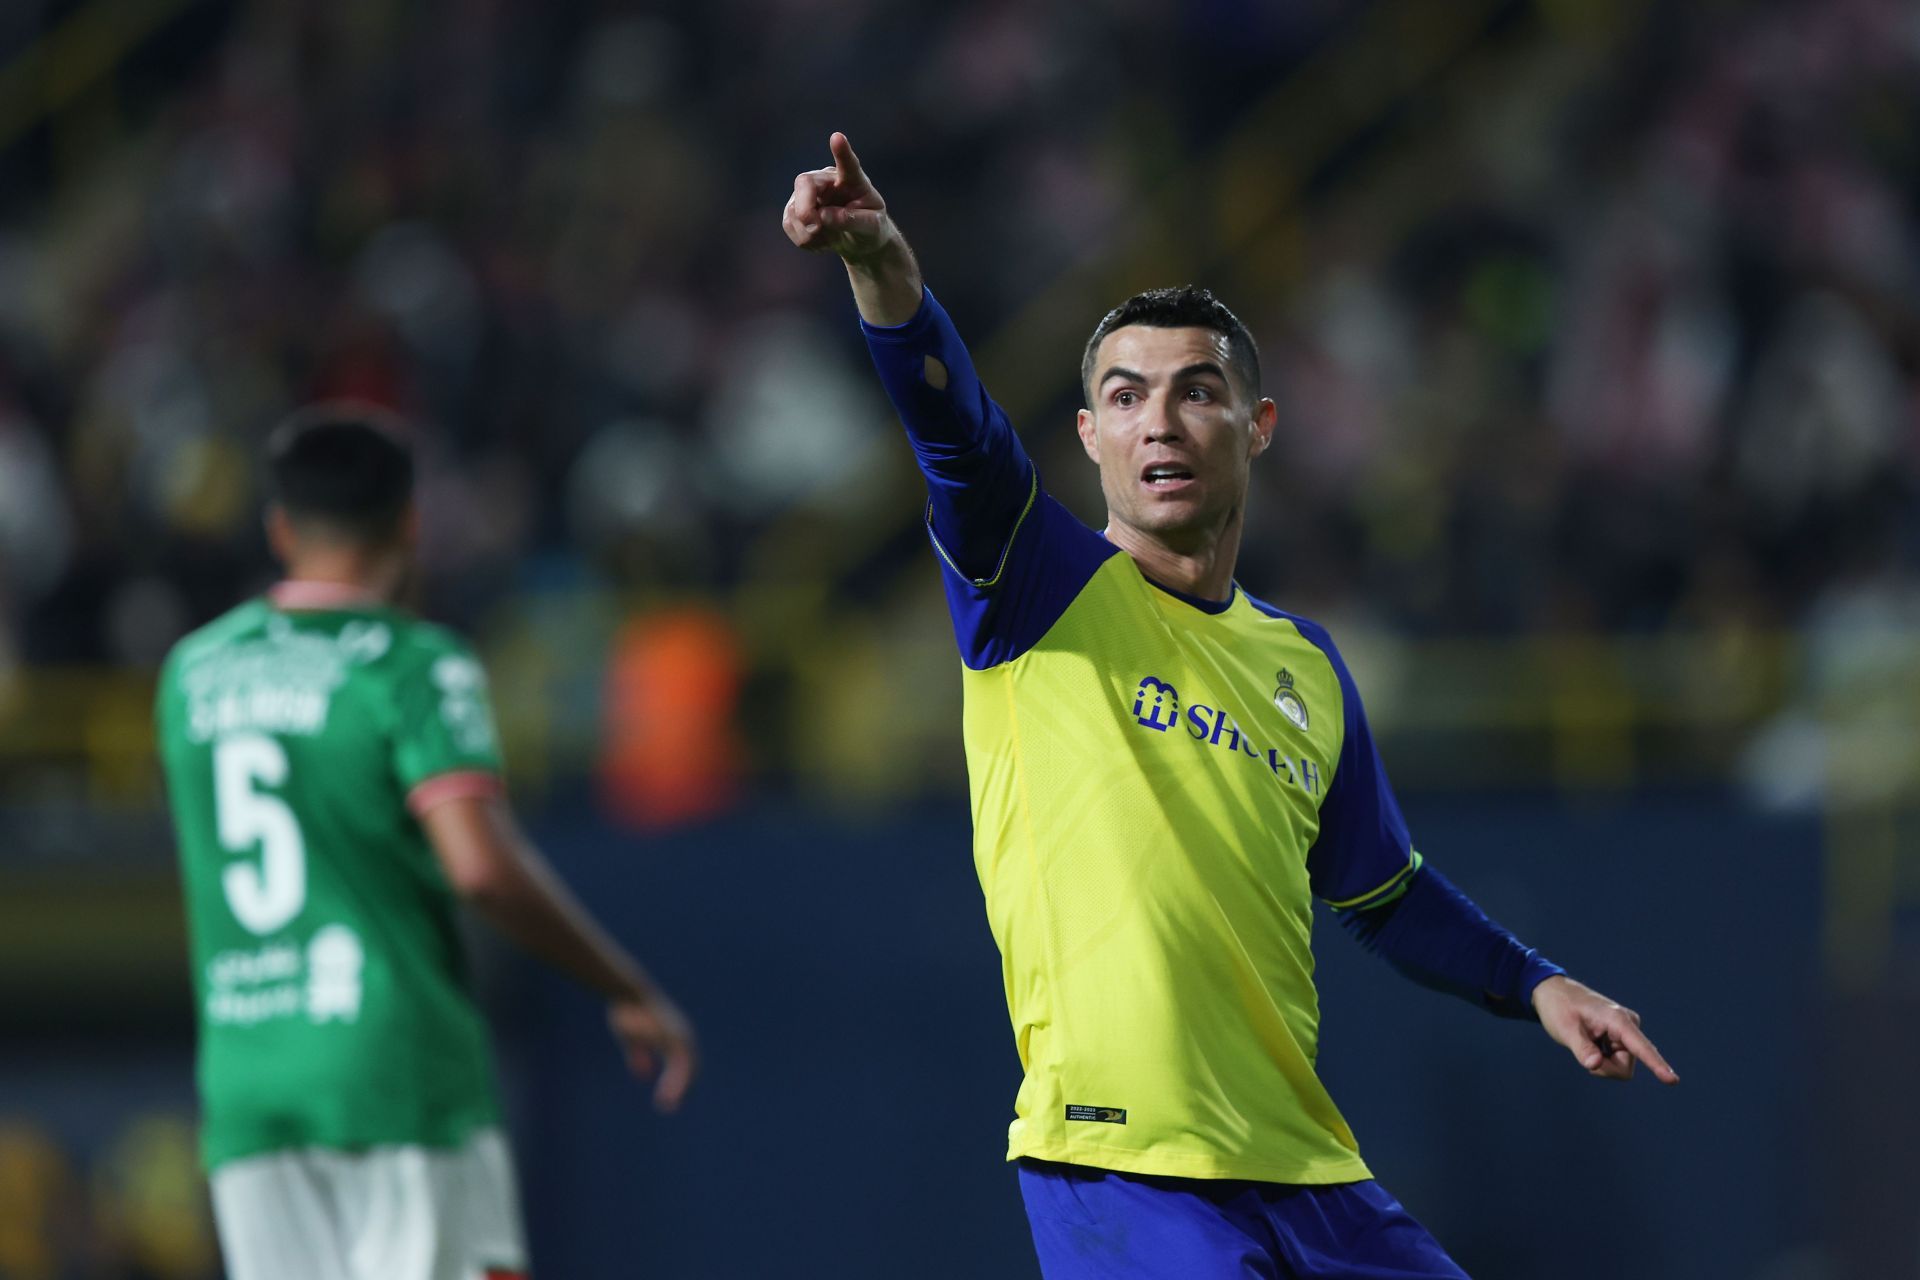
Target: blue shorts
point(1096, 1224)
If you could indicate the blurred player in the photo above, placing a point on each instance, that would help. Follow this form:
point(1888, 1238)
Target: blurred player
point(335, 785)
point(1165, 772)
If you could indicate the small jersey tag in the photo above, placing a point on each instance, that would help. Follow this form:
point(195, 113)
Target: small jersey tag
point(1101, 1115)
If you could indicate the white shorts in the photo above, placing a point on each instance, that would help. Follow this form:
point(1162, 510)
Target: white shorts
point(388, 1213)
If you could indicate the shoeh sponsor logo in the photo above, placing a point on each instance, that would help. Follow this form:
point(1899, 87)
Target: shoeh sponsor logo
point(1156, 706)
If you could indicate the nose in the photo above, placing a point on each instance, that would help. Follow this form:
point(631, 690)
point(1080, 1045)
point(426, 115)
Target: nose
point(1164, 424)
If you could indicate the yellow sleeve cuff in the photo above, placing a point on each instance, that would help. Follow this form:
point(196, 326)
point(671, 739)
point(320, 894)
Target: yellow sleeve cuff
point(1385, 893)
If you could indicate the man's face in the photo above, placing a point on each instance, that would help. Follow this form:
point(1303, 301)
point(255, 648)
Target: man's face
point(1171, 432)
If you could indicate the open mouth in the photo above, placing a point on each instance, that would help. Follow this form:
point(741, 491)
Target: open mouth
point(1166, 475)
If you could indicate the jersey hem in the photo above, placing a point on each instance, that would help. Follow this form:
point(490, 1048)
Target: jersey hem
point(445, 1139)
point(1189, 1165)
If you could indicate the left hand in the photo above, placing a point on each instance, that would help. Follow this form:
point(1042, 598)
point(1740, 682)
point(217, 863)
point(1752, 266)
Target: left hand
point(657, 1040)
point(1604, 1036)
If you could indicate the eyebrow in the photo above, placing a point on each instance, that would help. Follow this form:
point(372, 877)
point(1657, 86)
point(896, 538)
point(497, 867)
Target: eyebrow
point(1204, 366)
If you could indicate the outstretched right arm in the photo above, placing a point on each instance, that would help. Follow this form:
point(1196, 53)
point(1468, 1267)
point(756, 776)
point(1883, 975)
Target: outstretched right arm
point(979, 480)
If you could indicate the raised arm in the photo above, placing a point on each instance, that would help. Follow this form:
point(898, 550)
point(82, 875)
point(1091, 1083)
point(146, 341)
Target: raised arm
point(838, 210)
point(1013, 557)
point(498, 873)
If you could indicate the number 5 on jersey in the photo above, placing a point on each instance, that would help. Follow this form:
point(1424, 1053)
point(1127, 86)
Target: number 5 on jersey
point(264, 895)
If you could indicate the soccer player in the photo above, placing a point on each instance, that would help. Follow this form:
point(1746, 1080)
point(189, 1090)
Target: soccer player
point(335, 784)
point(1165, 772)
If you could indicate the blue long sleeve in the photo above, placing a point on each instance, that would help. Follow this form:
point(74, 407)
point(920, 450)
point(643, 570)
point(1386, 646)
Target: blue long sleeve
point(979, 479)
point(1435, 935)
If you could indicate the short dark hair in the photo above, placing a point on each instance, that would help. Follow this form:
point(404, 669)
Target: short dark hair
point(1187, 307)
point(344, 468)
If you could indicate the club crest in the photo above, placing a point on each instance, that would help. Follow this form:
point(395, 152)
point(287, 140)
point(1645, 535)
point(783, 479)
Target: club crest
point(1291, 704)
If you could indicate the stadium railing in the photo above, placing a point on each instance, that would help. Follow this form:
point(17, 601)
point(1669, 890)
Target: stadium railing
point(1780, 720)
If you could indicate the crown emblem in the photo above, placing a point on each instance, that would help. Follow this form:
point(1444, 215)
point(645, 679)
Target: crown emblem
point(1291, 704)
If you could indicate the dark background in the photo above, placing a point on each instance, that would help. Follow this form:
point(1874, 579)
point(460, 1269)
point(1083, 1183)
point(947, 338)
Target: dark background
point(1593, 331)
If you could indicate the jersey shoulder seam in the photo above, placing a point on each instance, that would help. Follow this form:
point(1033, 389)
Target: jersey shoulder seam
point(1321, 639)
point(1309, 630)
point(213, 633)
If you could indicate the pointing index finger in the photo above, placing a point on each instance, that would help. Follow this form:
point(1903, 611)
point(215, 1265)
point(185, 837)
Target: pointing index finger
point(845, 163)
point(1642, 1048)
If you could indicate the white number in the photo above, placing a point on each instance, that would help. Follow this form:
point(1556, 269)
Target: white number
point(269, 894)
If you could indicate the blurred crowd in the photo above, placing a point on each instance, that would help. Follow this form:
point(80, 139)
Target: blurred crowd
point(1649, 358)
point(1646, 358)
point(130, 1205)
point(547, 234)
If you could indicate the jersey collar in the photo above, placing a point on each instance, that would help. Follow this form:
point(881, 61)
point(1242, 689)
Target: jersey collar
point(295, 593)
point(1201, 603)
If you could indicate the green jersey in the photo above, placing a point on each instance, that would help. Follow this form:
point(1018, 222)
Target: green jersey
point(299, 745)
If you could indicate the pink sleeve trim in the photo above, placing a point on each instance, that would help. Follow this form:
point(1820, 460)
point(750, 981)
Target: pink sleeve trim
point(464, 784)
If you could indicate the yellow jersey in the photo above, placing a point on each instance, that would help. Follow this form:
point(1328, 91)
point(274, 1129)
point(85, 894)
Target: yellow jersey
point(1160, 787)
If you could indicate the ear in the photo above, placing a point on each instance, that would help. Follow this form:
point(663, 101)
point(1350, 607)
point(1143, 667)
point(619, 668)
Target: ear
point(1089, 435)
point(1265, 416)
point(281, 539)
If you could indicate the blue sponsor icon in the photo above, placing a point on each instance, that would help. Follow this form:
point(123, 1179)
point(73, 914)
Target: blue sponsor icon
point(1156, 704)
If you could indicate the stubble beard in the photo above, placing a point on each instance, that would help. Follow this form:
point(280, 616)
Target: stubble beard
point(1183, 533)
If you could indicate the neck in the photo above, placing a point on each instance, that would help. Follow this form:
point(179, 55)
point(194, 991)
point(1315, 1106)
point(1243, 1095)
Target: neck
point(1202, 568)
point(375, 575)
